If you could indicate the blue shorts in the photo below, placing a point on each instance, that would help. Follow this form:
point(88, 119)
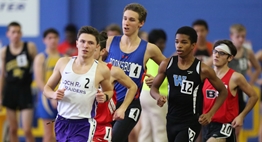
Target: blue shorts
point(44, 108)
point(74, 130)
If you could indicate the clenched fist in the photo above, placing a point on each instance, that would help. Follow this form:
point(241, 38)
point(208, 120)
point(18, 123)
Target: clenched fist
point(59, 94)
point(161, 101)
point(100, 97)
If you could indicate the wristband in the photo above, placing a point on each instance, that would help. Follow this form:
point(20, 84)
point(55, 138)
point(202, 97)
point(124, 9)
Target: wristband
point(106, 97)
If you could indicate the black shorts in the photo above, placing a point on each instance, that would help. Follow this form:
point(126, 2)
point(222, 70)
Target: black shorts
point(261, 93)
point(17, 97)
point(122, 128)
point(179, 132)
point(219, 130)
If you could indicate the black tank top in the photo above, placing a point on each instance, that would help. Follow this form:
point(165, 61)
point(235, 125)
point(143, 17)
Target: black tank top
point(18, 67)
point(185, 99)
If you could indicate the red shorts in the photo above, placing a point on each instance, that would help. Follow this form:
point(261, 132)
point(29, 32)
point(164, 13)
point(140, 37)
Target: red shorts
point(103, 133)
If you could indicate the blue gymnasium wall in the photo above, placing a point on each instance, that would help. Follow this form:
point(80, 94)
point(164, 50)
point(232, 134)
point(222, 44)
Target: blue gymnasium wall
point(169, 15)
point(172, 14)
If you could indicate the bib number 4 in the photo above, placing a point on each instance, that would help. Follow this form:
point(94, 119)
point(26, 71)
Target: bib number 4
point(134, 113)
point(135, 70)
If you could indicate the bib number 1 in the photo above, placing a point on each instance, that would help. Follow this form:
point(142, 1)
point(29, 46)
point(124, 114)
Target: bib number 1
point(108, 133)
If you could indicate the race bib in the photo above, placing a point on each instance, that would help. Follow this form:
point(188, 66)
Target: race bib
point(187, 87)
point(134, 113)
point(135, 70)
point(226, 129)
point(21, 60)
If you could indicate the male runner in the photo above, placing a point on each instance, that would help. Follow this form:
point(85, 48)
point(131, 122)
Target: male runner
point(78, 89)
point(221, 128)
point(130, 53)
point(185, 76)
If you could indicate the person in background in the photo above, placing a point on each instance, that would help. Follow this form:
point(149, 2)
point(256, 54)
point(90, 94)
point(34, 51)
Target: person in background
point(203, 49)
point(153, 129)
point(15, 82)
point(68, 46)
point(240, 62)
point(43, 68)
point(113, 30)
point(143, 35)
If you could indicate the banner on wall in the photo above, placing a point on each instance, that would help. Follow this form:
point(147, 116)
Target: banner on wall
point(25, 12)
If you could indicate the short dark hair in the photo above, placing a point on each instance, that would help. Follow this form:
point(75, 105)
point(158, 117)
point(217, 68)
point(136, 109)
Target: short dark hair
point(89, 30)
point(102, 39)
point(71, 28)
point(50, 30)
point(156, 34)
point(200, 22)
point(230, 45)
point(13, 24)
point(138, 8)
point(189, 31)
point(114, 27)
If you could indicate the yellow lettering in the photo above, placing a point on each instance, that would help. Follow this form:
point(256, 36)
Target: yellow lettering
point(11, 65)
point(18, 73)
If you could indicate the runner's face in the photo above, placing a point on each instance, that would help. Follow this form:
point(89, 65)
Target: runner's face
point(51, 40)
point(220, 57)
point(14, 33)
point(86, 45)
point(130, 22)
point(238, 38)
point(183, 45)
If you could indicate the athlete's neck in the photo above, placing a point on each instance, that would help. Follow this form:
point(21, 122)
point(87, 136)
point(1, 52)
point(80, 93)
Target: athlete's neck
point(130, 40)
point(84, 61)
point(16, 44)
point(221, 71)
point(239, 48)
point(187, 60)
point(100, 59)
point(51, 51)
point(201, 43)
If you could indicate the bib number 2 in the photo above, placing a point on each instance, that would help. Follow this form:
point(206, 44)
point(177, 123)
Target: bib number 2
point(191, 135)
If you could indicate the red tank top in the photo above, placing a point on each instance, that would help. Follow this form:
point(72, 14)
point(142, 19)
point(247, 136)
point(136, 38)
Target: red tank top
point(229, 109)
point(105, 111)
